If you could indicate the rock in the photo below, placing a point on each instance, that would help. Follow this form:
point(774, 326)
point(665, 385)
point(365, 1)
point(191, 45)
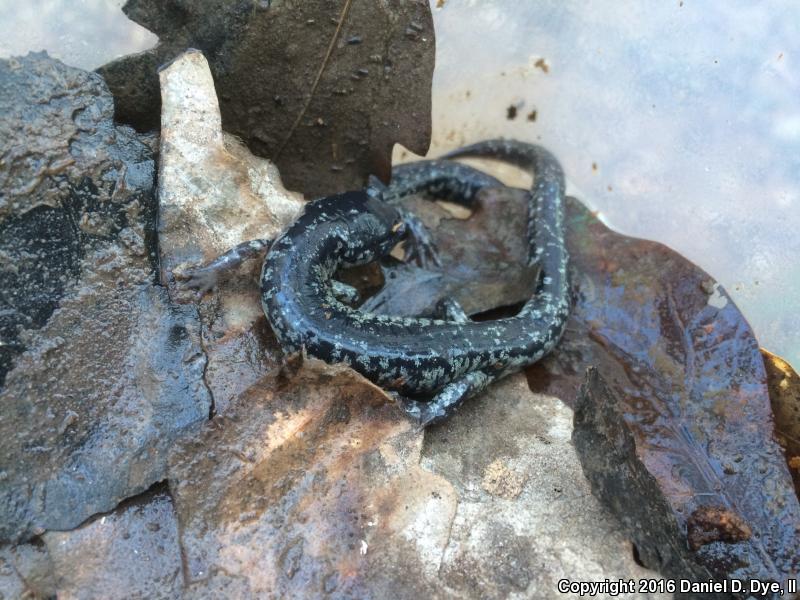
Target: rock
point(131, 552)
point(324, 89)
point(525, 517)
point(26, 571)
point(107, 372)
point(70, 181)
point(91, 410)
point(214, 195)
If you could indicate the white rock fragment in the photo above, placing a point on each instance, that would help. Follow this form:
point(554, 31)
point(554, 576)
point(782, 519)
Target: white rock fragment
point(213, 193)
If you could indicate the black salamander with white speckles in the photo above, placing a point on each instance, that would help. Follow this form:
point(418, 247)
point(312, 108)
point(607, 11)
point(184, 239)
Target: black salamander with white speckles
point(448, 359)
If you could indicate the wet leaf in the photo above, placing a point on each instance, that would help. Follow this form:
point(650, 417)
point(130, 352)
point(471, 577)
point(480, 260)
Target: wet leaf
point(298, 486)
point(322, 88)
point(311, 481)
point(784, 391)
point(673, 423)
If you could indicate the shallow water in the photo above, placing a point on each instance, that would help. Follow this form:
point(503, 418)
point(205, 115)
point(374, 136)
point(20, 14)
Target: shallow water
point(677, 120)
point(82, 33)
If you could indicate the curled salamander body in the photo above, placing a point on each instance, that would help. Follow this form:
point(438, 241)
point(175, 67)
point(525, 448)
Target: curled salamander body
point(447, 359)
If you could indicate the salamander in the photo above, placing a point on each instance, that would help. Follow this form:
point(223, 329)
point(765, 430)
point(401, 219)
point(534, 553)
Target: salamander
point(431, 365)
point(439, 179)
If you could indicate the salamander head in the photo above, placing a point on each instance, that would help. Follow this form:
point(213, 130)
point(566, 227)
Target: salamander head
point(380, 223)
point(374, 227)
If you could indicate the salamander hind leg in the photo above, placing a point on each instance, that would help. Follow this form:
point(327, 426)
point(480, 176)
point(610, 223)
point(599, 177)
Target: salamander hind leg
point(208, 276)
point(447, 401)
point(419, 246)
point(344, 293)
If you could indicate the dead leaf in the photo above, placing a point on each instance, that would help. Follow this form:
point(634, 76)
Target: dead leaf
point(308, 482)
point(323, 88)
point(311, 481)
point(674, 419)
point(482, 260)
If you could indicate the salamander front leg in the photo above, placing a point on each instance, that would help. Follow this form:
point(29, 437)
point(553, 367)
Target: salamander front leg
point(208, 276)
point(446, 401)
point(451, 310)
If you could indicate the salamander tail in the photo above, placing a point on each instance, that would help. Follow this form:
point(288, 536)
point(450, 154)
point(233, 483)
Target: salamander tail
point(527, 156)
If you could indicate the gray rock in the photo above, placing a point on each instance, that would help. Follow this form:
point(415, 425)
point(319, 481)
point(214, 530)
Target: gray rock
point(70, 180)
point(131, 552)
point(525, 517)
point(105, 371)
point(26, 571)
